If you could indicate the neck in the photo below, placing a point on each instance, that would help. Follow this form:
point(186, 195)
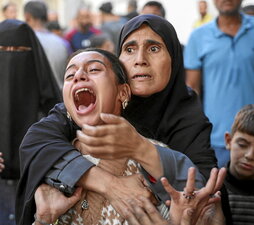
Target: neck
point(229, 24)
point(37, 25)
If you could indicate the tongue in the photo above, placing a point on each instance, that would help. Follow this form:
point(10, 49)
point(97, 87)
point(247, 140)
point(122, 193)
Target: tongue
point(82, 107)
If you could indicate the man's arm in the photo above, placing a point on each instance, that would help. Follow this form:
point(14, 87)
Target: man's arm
point(193, 80)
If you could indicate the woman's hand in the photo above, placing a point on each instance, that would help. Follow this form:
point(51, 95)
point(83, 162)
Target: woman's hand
point(195, 200)
point(1, 162)
point(146, 214)
point(116, 139)
point(51, 203)
point(126, 189)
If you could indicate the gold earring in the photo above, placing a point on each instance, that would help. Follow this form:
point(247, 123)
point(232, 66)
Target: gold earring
point(69, 116)
point(124, 103)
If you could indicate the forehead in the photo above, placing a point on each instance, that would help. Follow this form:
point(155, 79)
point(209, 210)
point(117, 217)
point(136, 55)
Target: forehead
point(143, 33)
point(151, 9)
point(85, 57)
point(241, 135)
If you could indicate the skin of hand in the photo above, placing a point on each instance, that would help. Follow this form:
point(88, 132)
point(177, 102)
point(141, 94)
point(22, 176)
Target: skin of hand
point(147, 214)
point(212, 214)
point(51, 203)
point(1, 162)
point(117, 138)
point(203, 197)
point(125, 188)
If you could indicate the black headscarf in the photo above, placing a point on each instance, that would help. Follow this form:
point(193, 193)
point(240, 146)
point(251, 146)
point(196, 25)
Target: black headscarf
point(28, 89)
point(174, 115)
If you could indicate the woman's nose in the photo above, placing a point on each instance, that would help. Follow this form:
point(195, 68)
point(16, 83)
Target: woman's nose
point(141, 58)
point(81, 75)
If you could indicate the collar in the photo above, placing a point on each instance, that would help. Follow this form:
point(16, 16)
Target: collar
point(247, 23)
point(244, 187)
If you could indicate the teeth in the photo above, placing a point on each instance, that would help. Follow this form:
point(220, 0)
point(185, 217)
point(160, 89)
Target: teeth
point(83, 89)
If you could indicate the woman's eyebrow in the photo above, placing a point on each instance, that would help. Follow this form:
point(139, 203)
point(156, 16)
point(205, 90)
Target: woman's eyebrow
point(153, 42)
point(88, 62)
point(96, 60)
point(70, 66)
point(129, 43)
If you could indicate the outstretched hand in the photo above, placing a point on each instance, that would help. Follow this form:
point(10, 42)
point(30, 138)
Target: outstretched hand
point(147, 214)
point(51, 203)
point(197, 200)
point(201, 207)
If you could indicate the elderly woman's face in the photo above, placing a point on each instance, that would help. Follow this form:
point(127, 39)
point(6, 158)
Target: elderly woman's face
point(147, 61)
point(90, 88)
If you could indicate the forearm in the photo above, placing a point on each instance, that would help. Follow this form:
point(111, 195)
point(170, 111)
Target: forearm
point(97, 180)
point(149, 159)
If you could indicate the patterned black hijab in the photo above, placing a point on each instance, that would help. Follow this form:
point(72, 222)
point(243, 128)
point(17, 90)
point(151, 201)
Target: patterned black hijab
point(174, 115)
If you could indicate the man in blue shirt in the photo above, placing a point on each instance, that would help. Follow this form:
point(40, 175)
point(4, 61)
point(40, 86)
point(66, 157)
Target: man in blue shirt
point(219, 57)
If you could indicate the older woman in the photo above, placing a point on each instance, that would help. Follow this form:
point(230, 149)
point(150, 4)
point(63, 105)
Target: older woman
point(162, 108)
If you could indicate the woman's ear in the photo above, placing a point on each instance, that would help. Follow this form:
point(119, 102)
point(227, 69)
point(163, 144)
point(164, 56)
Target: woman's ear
point(124, 93)
point(228, 139)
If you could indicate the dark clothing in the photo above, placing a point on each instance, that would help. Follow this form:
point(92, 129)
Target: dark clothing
point(72, 165)
point(241, 199)
point(79, 40)
point(173, 116)
point(28, 88)
point(52, 137)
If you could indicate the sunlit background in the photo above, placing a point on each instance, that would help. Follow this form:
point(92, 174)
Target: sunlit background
point(181, 13)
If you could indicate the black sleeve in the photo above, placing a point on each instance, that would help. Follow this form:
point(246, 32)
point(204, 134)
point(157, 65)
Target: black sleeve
point(66, 172)
point(46, 142)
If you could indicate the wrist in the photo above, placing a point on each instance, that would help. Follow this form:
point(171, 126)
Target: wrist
point(89, 181)
point(149, 158)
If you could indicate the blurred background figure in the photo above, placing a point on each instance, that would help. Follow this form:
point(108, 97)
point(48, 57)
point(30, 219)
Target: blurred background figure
point(52, 16)
point(153, 7)
point(28, 91)
point(9, 10)
point(219, 62)
point(204, 16)
point(102, 41)
point(132, 9)
point(111, 24)
point(36, 15)
point(79, 37)
point(248, 9)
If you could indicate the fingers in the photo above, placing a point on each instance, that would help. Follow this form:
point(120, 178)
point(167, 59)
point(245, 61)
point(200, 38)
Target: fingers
point(220, 179)
point(111, 119)
point(130, 217)
point(169, 189)
point(145, 215)
point(75, 197)
point(214, 198)
point(190, 185)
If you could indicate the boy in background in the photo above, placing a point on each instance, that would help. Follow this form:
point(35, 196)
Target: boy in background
point(239, 181)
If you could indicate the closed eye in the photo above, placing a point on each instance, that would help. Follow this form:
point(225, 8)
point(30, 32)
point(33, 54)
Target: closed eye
point(69, 76)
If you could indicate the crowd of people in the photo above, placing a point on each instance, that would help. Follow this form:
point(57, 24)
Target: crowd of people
point(146, 130)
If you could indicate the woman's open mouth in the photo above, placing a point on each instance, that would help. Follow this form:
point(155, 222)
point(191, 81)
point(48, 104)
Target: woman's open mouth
point(84, 98)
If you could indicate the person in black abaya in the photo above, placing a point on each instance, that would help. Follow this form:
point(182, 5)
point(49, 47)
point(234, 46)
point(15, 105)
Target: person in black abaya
point(171, 114)
point(28, 91)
